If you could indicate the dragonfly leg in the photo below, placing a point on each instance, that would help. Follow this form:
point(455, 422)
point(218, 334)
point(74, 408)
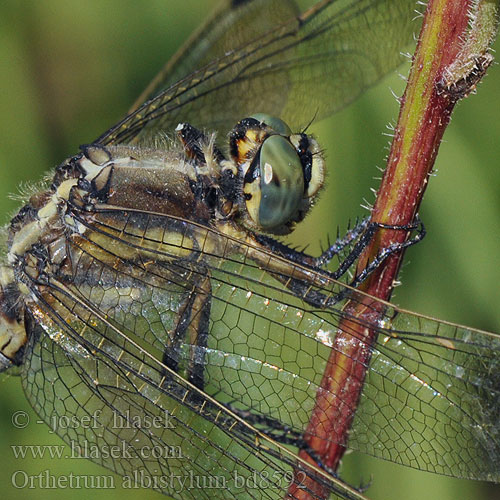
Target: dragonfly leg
point(340, 244)
point(198, 332)
point(366, 238)
point(281, 433)
point(302, 258)
point(273, 428)
point(391, 249)
point(193, 141)
point(191, 330)
point(355, 240)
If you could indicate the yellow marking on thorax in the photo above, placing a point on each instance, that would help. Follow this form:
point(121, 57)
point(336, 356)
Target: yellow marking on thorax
point(28, 235)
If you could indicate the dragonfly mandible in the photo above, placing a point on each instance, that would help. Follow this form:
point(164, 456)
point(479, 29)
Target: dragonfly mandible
point(442, 344)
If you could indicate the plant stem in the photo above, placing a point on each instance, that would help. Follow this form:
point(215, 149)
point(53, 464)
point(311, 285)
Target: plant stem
point(450, 59)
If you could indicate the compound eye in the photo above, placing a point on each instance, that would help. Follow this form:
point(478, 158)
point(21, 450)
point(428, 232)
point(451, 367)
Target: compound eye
point(280, 177)
point(279, 126)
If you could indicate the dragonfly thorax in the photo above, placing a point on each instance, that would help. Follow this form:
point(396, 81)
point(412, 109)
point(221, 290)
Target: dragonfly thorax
point(100, 180)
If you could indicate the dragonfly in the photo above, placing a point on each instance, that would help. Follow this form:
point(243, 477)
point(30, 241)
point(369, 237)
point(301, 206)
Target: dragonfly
point(238, 403)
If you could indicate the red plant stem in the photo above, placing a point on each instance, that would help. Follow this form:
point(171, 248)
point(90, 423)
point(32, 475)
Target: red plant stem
point(424, 114)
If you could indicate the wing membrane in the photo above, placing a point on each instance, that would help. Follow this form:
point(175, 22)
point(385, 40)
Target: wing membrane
point(94, 349)
point(160, 433)
point(430, 396)
point(307, 67)
point(232, 25)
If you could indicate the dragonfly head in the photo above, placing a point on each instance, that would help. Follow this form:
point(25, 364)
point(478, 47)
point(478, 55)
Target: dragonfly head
point(282, 172)
point(12, 331)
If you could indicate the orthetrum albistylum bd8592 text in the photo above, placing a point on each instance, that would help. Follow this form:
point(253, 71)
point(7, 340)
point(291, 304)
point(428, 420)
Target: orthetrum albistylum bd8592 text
point(203, 280)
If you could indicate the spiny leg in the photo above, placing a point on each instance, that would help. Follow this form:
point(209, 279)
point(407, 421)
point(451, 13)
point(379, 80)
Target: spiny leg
point(191, 330)
point(279, 432)
point(356, 240)
point(391, 249)
point(340, 244)
point(365, 239)
point(197, 333)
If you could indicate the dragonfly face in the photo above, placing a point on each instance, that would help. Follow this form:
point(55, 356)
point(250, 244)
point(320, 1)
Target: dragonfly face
point(141, 290)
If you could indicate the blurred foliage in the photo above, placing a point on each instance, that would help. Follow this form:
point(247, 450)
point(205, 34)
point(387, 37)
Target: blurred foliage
point(71, 69)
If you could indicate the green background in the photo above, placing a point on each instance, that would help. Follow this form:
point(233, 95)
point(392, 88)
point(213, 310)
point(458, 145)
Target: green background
point(68, 70)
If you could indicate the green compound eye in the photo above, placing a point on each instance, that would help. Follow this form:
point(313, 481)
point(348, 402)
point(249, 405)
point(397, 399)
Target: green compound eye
point(282, 172)
point(279, 126)
point(281, 183)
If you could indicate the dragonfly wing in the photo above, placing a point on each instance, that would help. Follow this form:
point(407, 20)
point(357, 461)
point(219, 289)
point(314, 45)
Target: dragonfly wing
point(232, 25)
point(98, 334)
point(146, 426)
point(430, 398)
point(303, 69)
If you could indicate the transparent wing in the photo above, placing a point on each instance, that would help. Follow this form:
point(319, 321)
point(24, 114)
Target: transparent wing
point(232, 25)
point(301, 69)
point(96, 353)
point(430, 397)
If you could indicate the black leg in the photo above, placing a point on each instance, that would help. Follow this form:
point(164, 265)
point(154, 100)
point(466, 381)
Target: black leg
point(357, 239)
point(271, 427)
point(340, 244)
point(198, 333)
point(391, 249)
point(191, 330)
point(366, 238)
